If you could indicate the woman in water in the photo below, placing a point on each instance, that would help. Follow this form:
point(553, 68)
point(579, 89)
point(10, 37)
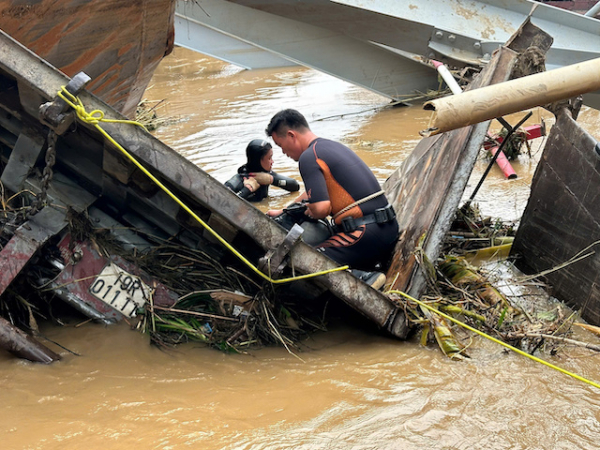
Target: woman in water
point(254, 178)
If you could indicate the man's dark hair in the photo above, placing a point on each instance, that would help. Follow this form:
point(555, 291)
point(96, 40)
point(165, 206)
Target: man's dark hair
point(286, 119)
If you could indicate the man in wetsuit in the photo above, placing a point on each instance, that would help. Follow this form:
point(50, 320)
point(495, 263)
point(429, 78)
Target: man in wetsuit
point(338, 184)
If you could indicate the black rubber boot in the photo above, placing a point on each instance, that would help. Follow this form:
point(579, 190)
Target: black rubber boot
point(374, 279)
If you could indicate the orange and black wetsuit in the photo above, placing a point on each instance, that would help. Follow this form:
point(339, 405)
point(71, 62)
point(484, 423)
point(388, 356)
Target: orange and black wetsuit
point(366, 233)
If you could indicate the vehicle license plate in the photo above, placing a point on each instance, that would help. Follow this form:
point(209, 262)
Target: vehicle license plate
point(121, 290)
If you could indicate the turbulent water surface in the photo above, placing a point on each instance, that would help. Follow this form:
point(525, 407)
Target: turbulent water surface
point(352, 388)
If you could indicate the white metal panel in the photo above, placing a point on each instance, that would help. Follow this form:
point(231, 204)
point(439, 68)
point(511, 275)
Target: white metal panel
point(494, 21)
point(382, 44)
point(329, 51)
point(191, 34)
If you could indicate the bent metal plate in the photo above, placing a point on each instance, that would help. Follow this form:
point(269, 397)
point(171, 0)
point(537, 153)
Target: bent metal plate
point(121, 290)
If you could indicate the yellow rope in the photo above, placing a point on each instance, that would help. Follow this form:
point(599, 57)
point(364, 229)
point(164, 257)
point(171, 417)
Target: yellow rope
point(497, 341)
point(97, 116)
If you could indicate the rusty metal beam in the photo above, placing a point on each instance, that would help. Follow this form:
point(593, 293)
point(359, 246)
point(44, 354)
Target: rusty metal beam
point(426, 193)
point(24, 346)
point(25, 153)
point(26, 241)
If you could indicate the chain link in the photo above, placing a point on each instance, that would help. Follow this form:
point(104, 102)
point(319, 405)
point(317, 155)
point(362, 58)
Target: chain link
point(47, 174)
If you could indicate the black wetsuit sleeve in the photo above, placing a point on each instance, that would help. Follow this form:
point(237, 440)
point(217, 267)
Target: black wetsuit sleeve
point(236, 184)
point(244, 193)
point(287, 183)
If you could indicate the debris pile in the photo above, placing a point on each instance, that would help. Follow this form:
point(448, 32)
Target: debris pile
point(146, 113)
point(517, 144)
point(470, 294)
point(221, 306)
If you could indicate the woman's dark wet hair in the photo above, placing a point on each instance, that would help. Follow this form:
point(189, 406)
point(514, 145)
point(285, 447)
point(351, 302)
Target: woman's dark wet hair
point(256, 149)
point(286, 119)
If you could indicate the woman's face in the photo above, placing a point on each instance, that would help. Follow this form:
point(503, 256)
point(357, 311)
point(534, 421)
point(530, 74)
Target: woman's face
point(267, 161)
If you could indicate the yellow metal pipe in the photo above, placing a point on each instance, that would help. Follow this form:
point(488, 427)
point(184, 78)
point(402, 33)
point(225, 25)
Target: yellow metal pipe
point(479, 105)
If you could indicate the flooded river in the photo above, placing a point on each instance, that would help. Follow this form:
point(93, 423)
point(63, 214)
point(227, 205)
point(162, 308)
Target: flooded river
point(352, 388)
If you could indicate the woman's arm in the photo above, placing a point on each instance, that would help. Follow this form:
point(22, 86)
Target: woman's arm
point(272, 178)
point(287, 183)
point(243, 187)
point(235, 183)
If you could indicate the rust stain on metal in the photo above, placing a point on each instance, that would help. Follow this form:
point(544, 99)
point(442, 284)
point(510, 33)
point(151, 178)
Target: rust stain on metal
point(562, 218)
point(124, 39)
point(487, 24)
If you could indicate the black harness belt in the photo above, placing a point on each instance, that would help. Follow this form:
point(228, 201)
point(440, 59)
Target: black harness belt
point(381, 215)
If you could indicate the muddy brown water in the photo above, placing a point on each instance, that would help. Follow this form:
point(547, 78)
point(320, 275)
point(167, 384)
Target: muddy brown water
point(353, 388)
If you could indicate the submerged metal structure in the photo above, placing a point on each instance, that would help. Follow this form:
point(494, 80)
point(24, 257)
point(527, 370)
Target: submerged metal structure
point(90, 175)
point(382, 45)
